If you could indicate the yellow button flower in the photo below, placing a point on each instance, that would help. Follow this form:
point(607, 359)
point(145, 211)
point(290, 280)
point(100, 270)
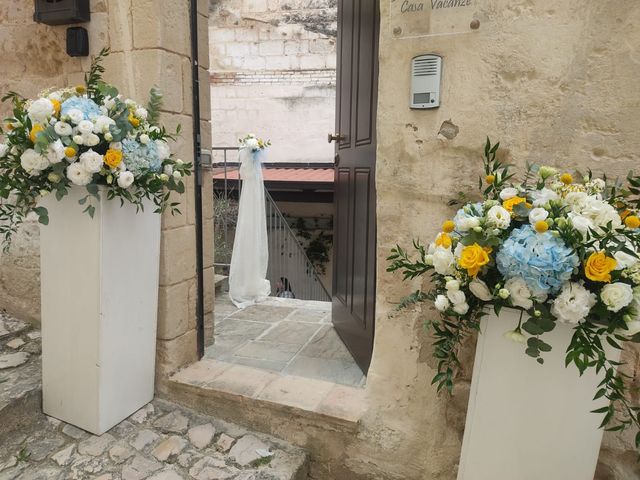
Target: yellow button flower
point(113, 158)
point(631, 221)
point(56, 107)
point(598, 267)
point(70, 152)
point(448, 226)
point(490, 179)
point(512, 202)
point(473, 258)
point(443, 240)
point(81, 89)
point(33, 134)
point(541, 226)
point(566, 178)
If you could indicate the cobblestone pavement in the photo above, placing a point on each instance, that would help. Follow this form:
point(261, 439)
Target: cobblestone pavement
point(161, 441)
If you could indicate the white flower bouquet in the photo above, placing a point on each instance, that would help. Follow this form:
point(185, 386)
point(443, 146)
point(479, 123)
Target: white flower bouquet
point(87, 136)
point(555, 249)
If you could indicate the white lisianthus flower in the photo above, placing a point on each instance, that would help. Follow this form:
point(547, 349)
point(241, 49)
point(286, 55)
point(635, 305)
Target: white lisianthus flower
point(598, 184)
point(144, 138)
point(164, 177)
point(515, 336)
point(441, 303)
point(467, 223)
point(616, 296)
point(461, 308)
point(177, 175)
point(164, 151)
point(55, 152)
point(520, 293)
point(573, 303)
point(78, 139)
point(452, 285)
point(91, 161)
point(179, 161)
point(443, 260)
point(537, 214)
point(78, 174)
point(546, 172)
point(141, 113)
point(480, 290)
point(33, 162)
point(508, 193)
point(456, 296)
point(91, 139)
point(545, 195)
point(102, 124)
point(4, 148)
point(76, 116)
point(63, 129)
point(168, 169)
point(499, 217)
point(580, 223)
point(115, 146)
point(504, 293)
point(41, 110)
point(125, 179)
point(251, 143)
point(85, 126)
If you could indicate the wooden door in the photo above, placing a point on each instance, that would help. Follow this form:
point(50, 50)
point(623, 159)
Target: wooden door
point(355, 195)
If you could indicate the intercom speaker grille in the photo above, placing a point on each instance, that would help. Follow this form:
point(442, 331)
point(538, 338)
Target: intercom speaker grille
point(425, 67)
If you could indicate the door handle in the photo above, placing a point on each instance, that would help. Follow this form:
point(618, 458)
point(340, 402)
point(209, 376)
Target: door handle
point(336, 137)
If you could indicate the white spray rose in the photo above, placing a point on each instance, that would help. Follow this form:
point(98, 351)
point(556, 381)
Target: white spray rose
point(91, 139)
point(480, 290)
point(76, 116)
point(443, 260)
point(41, 110)
point(499, 217)
point(164, 151)
point(91, 161)
point(55, 152)
point(102, 124)
point(63, 129)
point(85, 126)
point(616, 296)
point(78, 139)
point(545, 195)
point(456, 296)
point(537, 215)
point(125, 179)
point(33, 162)
point(441, 303)
point(78, 175)
point(520, 293)
point(461, 308)
point(573, 304)
point(4, 148)
point(508, 193)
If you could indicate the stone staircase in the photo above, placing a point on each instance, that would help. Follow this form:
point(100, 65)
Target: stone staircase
point(162, 441)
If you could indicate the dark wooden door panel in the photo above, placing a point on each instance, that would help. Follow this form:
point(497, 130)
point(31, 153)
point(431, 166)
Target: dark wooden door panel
point(355, 199)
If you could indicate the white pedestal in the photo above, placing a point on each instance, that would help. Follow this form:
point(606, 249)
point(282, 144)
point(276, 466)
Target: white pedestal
point(99, 282)
point(528, 421)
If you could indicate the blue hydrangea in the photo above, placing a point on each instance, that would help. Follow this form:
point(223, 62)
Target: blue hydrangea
point(543, 261)
point(139, 157)
point(88, 107)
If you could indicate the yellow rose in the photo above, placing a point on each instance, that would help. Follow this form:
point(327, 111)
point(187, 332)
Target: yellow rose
point(631, 221)
point(512, 202)
point(448, 226)
point(113, 158)
point(37, 128)
point(443, 240)
point(598, 267)
point(473, 258)
point(133, 120)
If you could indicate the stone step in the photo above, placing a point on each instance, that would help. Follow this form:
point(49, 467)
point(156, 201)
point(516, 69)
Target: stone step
point(222, 283)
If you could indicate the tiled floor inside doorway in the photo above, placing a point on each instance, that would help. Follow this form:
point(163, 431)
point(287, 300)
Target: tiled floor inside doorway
point(290, 336)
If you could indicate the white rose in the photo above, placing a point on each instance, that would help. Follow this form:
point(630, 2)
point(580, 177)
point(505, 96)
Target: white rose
point(520, 293)
point(456, 296)
point(461, 308)
point(85, 126)
point(499, 217)
point(443, 260)
point(78, 175)
point(508, 193)
point(168, 169)
point(453, 285)
point(537, 215)
point(616, 296)
point(33, 162)
point(55, 152)
point(41, 110)
point(91, 161)
point(91, 139)
point(144, 138)
point(4, 148)
point(141, 113)
point(63, 129)
point(545, 195)
point(125, 179)
point(467, 223)
point(78, 139)
point(573, 304)
point(164, 151)
point(102, 124)
point(441, 303)
point(480, 290)
point(251, 143)
point(76, 116)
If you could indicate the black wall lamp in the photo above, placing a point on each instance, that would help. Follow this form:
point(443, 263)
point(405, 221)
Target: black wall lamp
point(65, 12)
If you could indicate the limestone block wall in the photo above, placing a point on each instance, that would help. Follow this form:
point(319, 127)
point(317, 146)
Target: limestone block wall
point(273, 73)
point(150, 45)
point(553, 82)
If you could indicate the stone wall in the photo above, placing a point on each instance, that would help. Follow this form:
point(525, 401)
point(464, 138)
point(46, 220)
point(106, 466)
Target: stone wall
point(150, 45)
point(273, 73)
point(553, 81)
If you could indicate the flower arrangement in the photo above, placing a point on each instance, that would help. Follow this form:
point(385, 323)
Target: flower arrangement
point(254, 143)
point(555, 249)
point(87, 136)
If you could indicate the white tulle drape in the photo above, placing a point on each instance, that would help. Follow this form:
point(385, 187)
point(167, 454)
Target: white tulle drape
point(250, 256)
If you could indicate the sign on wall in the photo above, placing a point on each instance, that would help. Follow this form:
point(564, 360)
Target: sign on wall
point(420, 18)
